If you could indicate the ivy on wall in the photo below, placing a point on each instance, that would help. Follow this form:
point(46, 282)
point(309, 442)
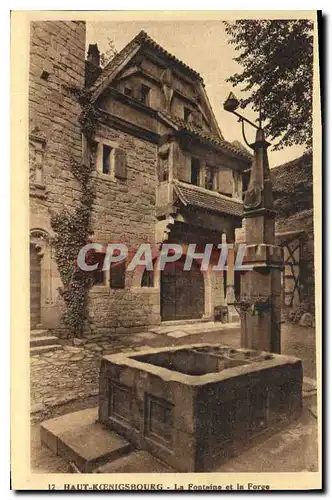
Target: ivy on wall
point(73, 227)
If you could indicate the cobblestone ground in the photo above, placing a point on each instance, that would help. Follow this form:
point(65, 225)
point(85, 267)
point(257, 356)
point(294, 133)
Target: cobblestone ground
point(63, 379)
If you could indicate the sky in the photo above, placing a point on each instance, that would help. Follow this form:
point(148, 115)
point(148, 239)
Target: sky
point(203, 46)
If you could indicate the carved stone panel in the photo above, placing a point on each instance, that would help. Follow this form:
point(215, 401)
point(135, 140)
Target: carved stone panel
point(158, 419)
point(120, 402)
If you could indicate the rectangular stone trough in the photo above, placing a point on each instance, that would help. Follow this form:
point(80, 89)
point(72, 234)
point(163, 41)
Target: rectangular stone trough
point(195, 405)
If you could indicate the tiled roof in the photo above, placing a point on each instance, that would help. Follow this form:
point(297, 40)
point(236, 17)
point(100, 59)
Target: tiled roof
point(291, 173)
point(207, 200)
point(114, 64)
point(241, 146)
point(132, 47)
point(181, 124)
point(135, 43)
point(144, 37)
point(300, 221)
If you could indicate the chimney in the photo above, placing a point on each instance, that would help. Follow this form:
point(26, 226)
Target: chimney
point(94, 54)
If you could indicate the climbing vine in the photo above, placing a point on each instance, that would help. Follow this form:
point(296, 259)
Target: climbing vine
point(73, 227)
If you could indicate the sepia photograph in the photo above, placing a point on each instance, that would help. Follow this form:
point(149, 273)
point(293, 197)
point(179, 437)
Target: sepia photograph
point(171, 309)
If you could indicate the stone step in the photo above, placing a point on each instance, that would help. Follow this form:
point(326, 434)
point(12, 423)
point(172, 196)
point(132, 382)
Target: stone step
point(43, 341)
point(185, 322)
point(82, 441)
point(135, 462)
point(38, 333)
point(43, 349)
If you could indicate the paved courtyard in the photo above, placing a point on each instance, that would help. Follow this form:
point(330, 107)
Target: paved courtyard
point(293, 449)
point(71, 373)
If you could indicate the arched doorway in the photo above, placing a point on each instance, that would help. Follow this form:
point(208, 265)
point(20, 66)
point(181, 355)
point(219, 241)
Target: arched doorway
point(181, 292)
point(35, 286)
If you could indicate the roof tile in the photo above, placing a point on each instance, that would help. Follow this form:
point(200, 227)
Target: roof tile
point(202, 134)
point(293, 172)
point(197, 197)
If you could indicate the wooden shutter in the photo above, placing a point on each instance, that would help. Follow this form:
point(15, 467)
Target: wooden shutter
point(120, 164)
point(225, 181)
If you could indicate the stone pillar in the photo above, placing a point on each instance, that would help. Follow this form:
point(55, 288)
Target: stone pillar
point(233, 315)
point(260, 302)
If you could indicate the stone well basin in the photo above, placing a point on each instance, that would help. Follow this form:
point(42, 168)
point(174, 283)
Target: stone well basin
point(195, 405)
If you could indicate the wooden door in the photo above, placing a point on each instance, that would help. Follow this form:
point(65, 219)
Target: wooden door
point(35, 286)
point(182, 292)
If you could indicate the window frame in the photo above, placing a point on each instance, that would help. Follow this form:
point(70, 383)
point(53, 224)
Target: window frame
point(109, 156)
point(150, 275)
point(145, 97)
point(193, 159)
point(101, 142)
point(187, 112)
point(126, 89)
point(104, 273)
point(118, 264)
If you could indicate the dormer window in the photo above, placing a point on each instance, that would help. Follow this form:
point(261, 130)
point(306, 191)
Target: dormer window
point(186, 114)
point(145, 94)
point(128, 91)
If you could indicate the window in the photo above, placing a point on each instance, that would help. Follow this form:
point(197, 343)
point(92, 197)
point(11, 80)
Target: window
point(107, 150)
point(110, 160)
point(128, 91)
point(163, 169)
point(147, 279)
point(98, 275)
point(118, 275)
point(186, 114)
point(210, 177)
point(145, 94)
point(195, 171)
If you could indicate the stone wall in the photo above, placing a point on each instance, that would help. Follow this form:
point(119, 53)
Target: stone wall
point(70, 374)
point(57, 54)
point(52, 108)
point(124, 211)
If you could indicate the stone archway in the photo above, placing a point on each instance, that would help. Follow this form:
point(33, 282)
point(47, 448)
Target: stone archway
point(35, 287)
point(182, 294)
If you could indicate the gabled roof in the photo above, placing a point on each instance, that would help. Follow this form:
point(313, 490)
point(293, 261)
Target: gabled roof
point(181, 125)
point(122, 57)
point(207, 200)
point(113, 68)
